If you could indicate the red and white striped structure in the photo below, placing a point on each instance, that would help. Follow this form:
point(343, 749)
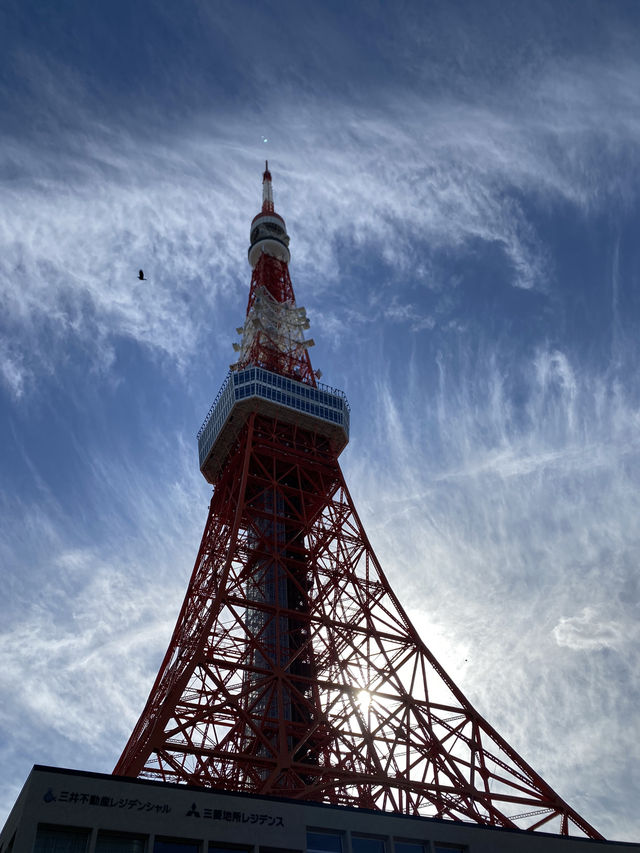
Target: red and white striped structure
point(293, 669)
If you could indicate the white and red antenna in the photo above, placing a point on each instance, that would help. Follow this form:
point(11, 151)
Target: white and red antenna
point(267, 190)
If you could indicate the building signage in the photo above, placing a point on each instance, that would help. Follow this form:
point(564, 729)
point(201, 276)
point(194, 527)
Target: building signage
point(235, 817)
point(83, 798)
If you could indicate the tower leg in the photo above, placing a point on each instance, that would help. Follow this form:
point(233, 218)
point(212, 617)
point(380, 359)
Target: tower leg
point(293, 669)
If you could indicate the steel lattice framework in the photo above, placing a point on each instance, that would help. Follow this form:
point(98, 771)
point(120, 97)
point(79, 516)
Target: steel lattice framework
point(293, 669)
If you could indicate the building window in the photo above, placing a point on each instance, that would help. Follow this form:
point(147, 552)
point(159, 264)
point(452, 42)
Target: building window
point(176, 845)
point(221, 847)
point(409, 847)
point(365, 844)
point(324, 842)
point(120, 842)
point(449, 848)
point(60, 839)
point(278, 850)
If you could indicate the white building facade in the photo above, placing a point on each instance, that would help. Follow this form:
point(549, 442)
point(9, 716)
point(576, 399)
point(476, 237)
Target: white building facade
point(67, 811)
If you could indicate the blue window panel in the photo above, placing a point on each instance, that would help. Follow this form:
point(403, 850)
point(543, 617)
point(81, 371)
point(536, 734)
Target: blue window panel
point(217, 847)
point(324, 842)
point(362, 844)
point(120, 842)
point(409, 847)
point(60, 839)
point(175, 845)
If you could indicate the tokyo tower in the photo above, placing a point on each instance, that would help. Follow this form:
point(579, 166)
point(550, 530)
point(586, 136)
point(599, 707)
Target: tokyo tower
point(293, 669)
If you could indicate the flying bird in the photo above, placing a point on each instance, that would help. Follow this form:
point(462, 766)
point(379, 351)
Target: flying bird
point(141, 275)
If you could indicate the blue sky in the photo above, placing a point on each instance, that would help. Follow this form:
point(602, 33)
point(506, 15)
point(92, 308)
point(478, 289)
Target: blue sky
point(461, 186)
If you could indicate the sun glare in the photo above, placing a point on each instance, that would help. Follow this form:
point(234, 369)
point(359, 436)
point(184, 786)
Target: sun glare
point(364, 699)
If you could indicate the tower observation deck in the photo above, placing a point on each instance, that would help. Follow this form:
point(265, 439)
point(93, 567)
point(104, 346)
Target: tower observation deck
point(255, 389)
point(293, 669)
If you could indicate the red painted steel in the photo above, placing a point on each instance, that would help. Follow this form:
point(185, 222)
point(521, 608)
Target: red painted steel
point(272, 275)
point(293, 669)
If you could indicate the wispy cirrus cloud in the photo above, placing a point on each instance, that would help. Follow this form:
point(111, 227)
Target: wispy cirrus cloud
point(586, 631)
point(86, 626)
point(513, 537)
point(414, 174)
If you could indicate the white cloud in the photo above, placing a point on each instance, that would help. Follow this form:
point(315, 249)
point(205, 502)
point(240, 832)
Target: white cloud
point(586, 631)
point(515, 542)
point(12, 372)
point(412, 171)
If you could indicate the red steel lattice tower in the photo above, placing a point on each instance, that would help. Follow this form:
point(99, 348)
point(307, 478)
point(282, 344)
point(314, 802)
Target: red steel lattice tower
point(293, 669)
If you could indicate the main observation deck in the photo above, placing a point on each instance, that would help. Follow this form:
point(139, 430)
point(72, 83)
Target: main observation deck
point(254, 389)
